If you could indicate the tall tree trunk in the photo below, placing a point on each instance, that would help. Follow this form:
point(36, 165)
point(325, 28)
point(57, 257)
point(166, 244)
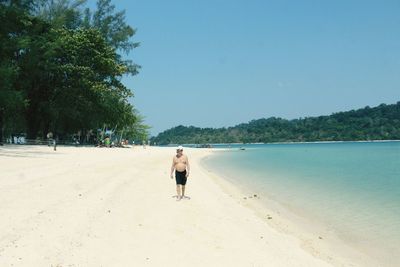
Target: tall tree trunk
point(33, 124)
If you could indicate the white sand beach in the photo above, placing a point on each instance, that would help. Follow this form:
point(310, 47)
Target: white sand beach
point(114, 207)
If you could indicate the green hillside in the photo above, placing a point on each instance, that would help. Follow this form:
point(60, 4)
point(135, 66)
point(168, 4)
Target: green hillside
point(377, 123)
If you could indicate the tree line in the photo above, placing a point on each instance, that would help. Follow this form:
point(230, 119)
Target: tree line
point(377, 123)
point(61, 66)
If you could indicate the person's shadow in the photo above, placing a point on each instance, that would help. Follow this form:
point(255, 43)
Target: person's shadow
point(184, 197)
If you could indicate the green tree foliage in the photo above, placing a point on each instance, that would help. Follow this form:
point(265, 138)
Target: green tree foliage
point(115, 31)
point(137, 131)
point(14, 23)
point(60, 14)
point(87, 90)
point(378, 123)
point(62, 75)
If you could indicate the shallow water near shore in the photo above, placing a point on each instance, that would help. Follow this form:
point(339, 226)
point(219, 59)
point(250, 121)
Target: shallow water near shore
point(351, 187)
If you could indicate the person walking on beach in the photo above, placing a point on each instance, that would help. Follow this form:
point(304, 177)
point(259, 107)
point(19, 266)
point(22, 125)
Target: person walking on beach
point(180, 164)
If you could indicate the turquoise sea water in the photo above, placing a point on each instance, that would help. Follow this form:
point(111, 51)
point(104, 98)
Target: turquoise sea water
point(351, 187)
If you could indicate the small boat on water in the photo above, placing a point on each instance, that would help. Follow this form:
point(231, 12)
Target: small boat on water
point(204, 146)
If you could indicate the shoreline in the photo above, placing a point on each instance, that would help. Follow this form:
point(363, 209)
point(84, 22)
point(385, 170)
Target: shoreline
point(316, 237)
point(283, 143)
point(113, 207)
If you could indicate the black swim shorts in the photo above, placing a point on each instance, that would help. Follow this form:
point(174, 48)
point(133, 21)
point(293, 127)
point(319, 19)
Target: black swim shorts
point(180, 177)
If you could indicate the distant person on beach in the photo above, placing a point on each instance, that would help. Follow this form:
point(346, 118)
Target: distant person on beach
point(107, 142)
point(180, 164)
point(49, 138)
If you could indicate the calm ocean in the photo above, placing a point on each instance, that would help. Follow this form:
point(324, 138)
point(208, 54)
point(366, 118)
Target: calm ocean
point(351, 187)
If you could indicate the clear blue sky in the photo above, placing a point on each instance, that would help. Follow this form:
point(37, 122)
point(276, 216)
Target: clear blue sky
point(214, 63)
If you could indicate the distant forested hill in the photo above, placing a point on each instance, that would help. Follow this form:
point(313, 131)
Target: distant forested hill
point(378, 123)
